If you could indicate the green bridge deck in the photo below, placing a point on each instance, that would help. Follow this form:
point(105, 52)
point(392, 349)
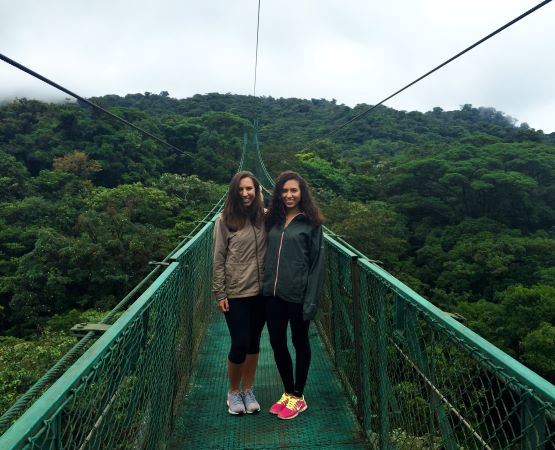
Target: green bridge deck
point(204, 423)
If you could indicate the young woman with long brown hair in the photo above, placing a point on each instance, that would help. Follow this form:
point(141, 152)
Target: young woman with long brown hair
point(293, 279)
point(239, 249)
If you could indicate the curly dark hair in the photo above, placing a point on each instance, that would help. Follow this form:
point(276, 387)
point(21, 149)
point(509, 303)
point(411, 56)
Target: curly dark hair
point(276, 213)
point(235, 214)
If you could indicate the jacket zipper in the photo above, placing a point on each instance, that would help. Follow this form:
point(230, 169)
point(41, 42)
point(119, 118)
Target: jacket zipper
point(279, 251)
point(256, 256)
point(277, 266)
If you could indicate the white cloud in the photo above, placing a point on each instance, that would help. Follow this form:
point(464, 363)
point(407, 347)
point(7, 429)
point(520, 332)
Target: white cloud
point(355, 51)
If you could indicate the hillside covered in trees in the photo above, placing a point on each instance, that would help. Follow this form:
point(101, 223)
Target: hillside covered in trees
point(460, 205)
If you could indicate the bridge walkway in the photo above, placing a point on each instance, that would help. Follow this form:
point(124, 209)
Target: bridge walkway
point(204, 423)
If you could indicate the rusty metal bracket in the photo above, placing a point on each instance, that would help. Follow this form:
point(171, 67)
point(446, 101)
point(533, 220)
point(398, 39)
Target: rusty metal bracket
point(159, 263)
point(81, 329)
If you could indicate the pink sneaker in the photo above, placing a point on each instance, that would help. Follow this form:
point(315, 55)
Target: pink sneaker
point(294, 406)
point(280, 404)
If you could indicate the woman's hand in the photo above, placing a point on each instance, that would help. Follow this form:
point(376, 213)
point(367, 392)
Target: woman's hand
point(223, 305)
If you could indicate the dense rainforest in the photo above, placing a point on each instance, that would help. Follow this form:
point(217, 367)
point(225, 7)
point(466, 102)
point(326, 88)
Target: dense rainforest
point(460, 205)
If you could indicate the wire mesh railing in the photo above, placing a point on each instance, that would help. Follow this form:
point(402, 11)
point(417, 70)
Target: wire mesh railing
point(40, 386)
point(123, 392)
point(252, 160)
point(417, 378)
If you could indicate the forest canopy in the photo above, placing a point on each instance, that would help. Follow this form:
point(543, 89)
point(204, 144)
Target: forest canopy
point(460, 205)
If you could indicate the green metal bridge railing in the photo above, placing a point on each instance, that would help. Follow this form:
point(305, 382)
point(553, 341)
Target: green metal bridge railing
point(123, 392)
point(417, 378)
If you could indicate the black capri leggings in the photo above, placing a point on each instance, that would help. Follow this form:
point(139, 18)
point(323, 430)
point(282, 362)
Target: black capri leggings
point(245, 321)
point(280, 313)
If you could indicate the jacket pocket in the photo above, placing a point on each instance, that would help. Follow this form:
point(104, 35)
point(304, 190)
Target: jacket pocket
point(293, 280)
point(241, 277)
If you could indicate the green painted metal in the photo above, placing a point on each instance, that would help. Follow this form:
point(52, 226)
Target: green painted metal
point(533, 418)
point(204, 423)
point(252, 159)
point(124, 390)
point(357, 335)
point(432, 382)
point(61, 393)
point(73, 354)
point(382, 362)
point(369, 348)
point(509, 365)
point(334, 264)
point(413, 342)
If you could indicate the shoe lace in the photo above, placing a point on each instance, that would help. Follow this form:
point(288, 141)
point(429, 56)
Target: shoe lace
point(235, 398)
point(284, 398)
point(292, 402)
point(249, 396)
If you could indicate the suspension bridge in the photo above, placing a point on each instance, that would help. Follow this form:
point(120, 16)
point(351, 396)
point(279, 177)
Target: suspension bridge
point(390, 370)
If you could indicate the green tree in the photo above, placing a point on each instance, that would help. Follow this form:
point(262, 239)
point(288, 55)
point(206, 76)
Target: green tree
point(13, 178)
point(539, 348)
point(77, 163)
point(373, 228)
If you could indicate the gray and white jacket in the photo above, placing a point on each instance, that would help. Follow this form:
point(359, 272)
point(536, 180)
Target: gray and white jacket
point(238, 260)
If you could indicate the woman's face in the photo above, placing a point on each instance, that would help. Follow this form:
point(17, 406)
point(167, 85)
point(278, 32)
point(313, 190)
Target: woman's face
point(291, 194)
point(246, 191)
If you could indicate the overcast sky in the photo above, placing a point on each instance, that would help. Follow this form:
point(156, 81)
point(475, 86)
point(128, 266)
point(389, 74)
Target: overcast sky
point(356, 51)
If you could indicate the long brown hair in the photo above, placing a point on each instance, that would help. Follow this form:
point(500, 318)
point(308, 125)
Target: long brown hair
point(276, 214)
point(235, 214)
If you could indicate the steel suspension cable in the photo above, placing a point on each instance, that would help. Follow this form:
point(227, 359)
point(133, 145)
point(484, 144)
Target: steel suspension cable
point(466, 50)
point(256, 52)
point(358, 116)
point(84, 100)
point(55, 371)
point(255, 114)
point(69, 358)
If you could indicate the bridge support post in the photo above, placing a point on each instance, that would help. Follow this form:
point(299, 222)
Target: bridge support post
point(335, 313)
point(355, 280)
point(532, 418)
point(380, 299)
point(55, 431)
point(361, 334)
point(413, 342)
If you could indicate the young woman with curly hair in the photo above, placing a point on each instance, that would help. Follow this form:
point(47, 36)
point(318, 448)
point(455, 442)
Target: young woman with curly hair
point(293, 279)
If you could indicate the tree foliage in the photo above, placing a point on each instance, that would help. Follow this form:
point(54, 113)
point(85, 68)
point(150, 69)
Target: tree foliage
point(460, 204)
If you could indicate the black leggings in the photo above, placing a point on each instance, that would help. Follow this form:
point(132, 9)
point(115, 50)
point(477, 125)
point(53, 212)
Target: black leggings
point(245, 321)
point(279, 313)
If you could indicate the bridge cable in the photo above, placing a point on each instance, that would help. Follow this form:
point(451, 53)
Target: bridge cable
point(84, 100)
point(362, 114)
point(256, 52)
point(258, 156)
point(71, 356)
point(254, 113)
